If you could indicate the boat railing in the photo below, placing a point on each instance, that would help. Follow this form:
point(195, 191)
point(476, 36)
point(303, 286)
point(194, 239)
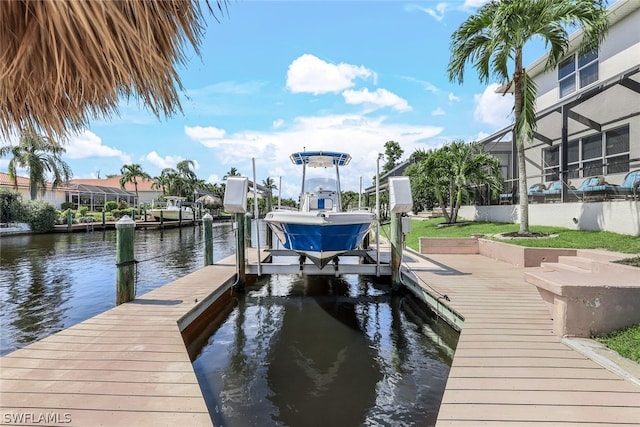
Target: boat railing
point(359, 209)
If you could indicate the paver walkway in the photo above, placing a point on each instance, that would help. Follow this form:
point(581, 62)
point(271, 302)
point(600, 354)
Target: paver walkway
point(509, 369)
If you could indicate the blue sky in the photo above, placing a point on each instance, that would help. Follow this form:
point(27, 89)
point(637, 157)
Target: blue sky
point(278, 77)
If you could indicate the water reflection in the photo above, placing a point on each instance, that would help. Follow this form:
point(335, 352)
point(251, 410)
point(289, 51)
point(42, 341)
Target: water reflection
point(49, 282)
point(323, 351)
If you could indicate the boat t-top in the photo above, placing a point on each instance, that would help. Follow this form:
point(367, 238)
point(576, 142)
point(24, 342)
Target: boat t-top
point(320, 229)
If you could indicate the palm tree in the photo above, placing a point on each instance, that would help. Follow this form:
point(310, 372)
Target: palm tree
point(497, 34)
point(455, 170)
point(232, 172)
point(269, 184)
point(41, 156)
point(131, 173)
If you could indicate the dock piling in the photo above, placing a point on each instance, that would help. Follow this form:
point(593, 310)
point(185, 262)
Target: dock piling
point(125, 260)
point(207, 235)
point(396, 250)
point(240, 254)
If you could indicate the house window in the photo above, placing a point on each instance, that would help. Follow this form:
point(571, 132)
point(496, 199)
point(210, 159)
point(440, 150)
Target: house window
point(600, 154)
point(617, 150)
point(551, 164)
point(577, 71)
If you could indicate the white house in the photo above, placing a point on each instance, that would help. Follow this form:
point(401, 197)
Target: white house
point(588, 125)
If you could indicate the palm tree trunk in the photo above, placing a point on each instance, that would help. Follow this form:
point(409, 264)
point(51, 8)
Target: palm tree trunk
point(522, 165)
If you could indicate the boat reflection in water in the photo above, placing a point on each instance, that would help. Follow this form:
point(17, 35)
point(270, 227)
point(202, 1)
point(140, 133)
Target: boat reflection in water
point(311, 350)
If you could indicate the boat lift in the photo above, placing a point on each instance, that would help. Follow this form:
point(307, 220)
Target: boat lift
point(365, 261)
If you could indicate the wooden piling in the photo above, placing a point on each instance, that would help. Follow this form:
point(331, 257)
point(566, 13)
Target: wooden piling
point(125, 260)
point(396, 250)
point(207, 236)
point(240, 250)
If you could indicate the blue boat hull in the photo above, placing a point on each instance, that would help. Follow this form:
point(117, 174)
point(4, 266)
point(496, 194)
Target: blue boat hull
point(320, 242)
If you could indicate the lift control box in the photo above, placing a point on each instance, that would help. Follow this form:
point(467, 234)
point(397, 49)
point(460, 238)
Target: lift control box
point(400, 200)
point(235, 194)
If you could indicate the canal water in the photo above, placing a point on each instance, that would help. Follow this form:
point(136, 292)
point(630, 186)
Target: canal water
point(325, 351)
point(49, 282)
point(292, 350)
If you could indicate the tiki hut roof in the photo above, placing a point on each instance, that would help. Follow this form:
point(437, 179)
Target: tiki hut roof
point(63, 62)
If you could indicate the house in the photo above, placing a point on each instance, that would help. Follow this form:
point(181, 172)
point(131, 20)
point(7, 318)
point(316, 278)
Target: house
point(54, 196)
point(588, 125)
point(95, 192)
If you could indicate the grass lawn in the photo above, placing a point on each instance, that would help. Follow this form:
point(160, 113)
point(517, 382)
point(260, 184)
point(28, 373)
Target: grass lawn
point(625, 342)
point(576, 239)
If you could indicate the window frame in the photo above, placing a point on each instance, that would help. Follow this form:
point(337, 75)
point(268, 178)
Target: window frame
point(580, 66)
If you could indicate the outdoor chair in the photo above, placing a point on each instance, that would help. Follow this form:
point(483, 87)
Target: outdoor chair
point(536, 192)
point(595, 188)
point(630, 186)
point(553, 192)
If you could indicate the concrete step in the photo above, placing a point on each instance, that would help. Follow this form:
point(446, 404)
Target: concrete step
point(556, 266)
point(601, 255)
point(578, 262)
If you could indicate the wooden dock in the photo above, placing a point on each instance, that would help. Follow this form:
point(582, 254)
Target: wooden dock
point(509, 369)
point(127, 366)
point(130, 365)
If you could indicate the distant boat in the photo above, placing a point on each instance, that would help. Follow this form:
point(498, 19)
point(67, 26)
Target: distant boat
point(173, 211)
point(320, 230)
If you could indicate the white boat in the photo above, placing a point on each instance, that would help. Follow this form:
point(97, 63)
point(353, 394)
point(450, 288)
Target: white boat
point(320, 230)
point(173, 211)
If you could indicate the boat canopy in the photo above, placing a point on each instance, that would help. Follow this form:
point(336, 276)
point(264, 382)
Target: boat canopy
point(320, 158)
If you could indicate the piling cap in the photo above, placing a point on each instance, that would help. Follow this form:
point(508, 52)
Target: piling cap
point(207, 217)
point(125, 221)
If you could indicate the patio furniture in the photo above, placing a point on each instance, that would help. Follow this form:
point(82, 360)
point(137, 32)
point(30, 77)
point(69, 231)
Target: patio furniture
point(630, 186)
point(596, 188)
point(536, 192)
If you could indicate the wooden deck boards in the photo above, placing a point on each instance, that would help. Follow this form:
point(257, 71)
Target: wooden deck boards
point(509, 369)
point(126, 366)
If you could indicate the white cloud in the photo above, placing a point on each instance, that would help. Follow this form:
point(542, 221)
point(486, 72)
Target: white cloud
point(438, 112)
point(437, 13)
point(310, 74)
point(206, 132)
point(473, 4)
point(453, 98)
point(378, 99)
point(214, 179)
point(362, 137)
point(164, 162)
point(278, 123)
point(88, 144)
point(428, 86)
point(493, 108)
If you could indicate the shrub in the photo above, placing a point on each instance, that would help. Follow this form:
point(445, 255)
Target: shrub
point(83, 211)
point(11, 208)
point(67, 205)
point(40, 215)
point(110, 205)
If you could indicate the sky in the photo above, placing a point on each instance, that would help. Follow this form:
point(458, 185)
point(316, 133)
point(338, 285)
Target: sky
point(277, 77)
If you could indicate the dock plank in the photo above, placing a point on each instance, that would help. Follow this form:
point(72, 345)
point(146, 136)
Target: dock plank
point(509, 369)
point(127, 366)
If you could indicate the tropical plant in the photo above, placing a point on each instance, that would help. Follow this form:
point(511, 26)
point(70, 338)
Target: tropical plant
point(40, 215)
point(11, 209)
point(497, 34)
point(131, 173)
point(422, 194)
point(41, 156)
point(455, 170)
point(269, 184)
point(392, 152)
point(232, 172)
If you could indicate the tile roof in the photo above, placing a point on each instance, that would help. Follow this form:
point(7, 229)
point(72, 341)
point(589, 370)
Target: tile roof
point(114, 182)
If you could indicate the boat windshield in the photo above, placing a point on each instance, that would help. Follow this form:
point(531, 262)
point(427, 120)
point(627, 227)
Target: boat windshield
point(320, 184)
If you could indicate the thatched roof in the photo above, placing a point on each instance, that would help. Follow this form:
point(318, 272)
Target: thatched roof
point(63, 62)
